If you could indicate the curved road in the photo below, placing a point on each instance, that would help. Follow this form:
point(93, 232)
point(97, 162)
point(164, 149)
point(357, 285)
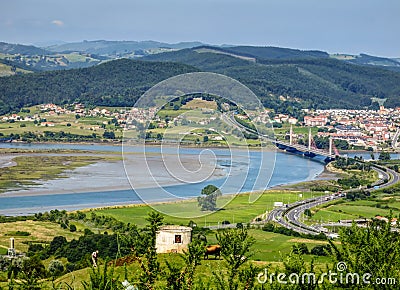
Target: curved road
point(289, 216)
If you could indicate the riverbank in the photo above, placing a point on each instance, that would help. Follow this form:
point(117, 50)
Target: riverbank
point(108, 173)
point(105, 183)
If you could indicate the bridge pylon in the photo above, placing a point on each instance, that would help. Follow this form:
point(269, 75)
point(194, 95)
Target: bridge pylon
point(291, 135)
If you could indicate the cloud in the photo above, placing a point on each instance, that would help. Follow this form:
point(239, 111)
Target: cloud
point(58, 22)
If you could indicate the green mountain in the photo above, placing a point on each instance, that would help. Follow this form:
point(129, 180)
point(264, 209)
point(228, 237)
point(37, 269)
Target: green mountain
point(302, 79)
point(267, 52)
point(284, 79)
point(114, 83)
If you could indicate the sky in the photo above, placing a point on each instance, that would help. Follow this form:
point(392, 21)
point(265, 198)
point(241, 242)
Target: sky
point(335, 26)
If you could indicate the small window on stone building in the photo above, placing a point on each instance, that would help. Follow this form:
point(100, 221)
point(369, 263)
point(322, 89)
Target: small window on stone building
point(178, 239)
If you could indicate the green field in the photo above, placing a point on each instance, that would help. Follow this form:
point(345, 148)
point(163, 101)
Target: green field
point(39, 232)
point(296, 130)
point(236, 210)
point(348, 210)
point(5, 70)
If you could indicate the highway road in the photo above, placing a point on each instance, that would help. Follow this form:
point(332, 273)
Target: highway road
point(290, 216)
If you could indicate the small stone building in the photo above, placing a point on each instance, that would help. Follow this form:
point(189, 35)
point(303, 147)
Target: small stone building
point(173, 239)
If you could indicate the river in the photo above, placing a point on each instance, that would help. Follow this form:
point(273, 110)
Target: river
point(241, 167)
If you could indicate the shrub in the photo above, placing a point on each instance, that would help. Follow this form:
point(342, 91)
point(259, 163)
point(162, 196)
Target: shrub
point(72, 228)
point(55, 268)
point(321, 250)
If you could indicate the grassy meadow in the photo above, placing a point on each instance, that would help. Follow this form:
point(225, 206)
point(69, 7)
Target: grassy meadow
point(235, 209)
point(38, 232)
point(381, 205)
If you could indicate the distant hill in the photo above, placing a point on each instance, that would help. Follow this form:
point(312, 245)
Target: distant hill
point(366, 59)
point(369, 60)
point(81, 54)
point(108, 48)
point(28, 50)
point(114, 83)
point(52, 61)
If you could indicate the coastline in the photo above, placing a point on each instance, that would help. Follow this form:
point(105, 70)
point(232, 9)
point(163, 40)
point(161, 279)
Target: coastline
point(326, 174)
point(116, 184)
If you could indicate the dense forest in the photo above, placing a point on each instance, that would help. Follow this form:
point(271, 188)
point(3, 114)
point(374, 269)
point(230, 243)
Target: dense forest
point(115, 83)
point(285, 80)
point(310, 81)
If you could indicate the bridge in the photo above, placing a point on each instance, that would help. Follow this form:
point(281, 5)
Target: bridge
point(307, 151)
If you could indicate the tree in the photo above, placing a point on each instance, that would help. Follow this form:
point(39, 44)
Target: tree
point(109, 135)
point(208, 198)
point(374, 250)
point(384, 156)
point(236, 250)
point(57, 243)
point(300, 249)
point(183, 278)
point(308, 212)
point(148, 260)
point(72, 228)
point(33, 267)
point(55, 268)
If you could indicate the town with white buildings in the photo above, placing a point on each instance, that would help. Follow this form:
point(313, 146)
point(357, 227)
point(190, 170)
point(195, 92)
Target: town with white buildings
point(374, 129)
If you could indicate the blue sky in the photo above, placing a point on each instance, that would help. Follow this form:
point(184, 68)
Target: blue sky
point(343, 26)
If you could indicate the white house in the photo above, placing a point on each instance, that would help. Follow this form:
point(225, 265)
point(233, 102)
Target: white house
point(173, 239)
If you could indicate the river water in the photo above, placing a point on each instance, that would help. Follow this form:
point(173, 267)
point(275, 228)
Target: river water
point(244, 171)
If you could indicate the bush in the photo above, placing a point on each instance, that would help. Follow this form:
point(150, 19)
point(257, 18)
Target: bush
point(72, 228)
point(34, 248)
point(300, 249)
point(56, 268)
point(269, 227)
point(321, 250)
point(70, 267)
point(19, 234)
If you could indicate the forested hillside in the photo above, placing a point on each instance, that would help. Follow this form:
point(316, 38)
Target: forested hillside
point(270, 52)
point(283, 83)
point(115, 83)
point(309, 81)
